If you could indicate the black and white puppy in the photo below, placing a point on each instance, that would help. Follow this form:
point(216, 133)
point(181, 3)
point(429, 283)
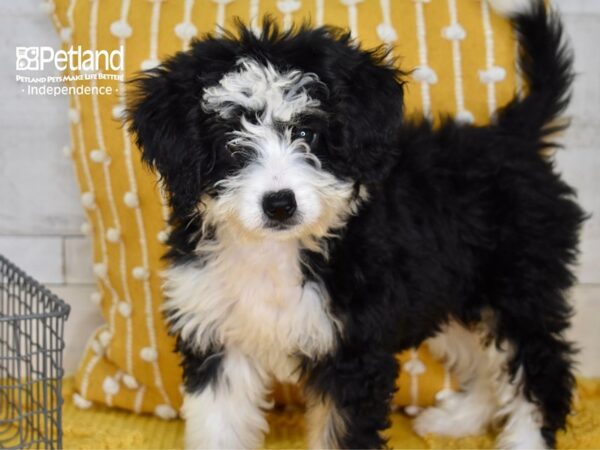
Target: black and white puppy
point(315, 233)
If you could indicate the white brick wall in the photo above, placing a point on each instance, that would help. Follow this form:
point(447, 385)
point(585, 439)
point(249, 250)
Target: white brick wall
point(578, 6)
point(40, 213)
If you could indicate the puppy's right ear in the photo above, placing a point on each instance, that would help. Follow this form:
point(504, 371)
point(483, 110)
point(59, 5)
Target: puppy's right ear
point(165, 115)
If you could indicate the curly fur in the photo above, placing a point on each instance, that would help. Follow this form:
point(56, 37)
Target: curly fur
point(401, 230)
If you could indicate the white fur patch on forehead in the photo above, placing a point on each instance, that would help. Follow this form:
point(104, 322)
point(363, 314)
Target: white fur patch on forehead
point(261, 88)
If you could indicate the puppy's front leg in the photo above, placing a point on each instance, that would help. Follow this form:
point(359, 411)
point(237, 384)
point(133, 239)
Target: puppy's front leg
point(349, 399)
point(226, 411)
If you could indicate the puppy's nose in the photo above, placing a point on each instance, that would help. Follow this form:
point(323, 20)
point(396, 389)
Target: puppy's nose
point(279, 205)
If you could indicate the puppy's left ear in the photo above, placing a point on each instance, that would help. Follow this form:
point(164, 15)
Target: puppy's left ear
point(367, 97)
point(170, 127)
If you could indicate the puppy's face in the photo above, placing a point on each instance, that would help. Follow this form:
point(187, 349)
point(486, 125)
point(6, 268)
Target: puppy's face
point(273, 129)
point(273, 135)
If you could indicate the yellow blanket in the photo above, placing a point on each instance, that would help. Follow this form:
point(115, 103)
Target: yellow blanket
point(104, 428)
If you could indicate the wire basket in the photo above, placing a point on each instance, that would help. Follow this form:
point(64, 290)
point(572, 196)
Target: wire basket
point(31, 349)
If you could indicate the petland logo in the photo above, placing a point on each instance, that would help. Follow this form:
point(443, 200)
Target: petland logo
point(85, 72)
point(74, 59)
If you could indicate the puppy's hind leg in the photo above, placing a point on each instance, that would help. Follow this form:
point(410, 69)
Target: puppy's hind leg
point(469, 411)
point(521, 418)
point(228, 412)
point(535, 383)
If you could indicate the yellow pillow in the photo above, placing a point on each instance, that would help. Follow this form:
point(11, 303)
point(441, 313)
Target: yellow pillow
point(464, 60)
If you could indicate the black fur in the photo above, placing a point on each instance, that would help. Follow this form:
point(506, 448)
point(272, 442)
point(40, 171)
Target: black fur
point(199, 370)
point(459, 218)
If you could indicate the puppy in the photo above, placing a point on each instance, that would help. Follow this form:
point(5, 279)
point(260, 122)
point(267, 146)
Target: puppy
point(315, 233)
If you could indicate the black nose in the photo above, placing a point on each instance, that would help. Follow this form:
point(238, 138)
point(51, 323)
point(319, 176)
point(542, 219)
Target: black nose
point(279, 205)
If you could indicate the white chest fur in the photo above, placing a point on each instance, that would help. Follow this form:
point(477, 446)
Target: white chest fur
point(251, 296)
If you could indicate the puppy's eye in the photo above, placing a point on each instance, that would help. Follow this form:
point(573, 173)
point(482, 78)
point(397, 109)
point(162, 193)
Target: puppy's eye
point(306, 134)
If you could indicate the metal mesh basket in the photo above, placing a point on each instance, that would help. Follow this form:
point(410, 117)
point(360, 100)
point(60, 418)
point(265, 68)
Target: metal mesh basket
point(31, 349)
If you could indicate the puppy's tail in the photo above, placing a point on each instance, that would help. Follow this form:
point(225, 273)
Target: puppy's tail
point(546, 64)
